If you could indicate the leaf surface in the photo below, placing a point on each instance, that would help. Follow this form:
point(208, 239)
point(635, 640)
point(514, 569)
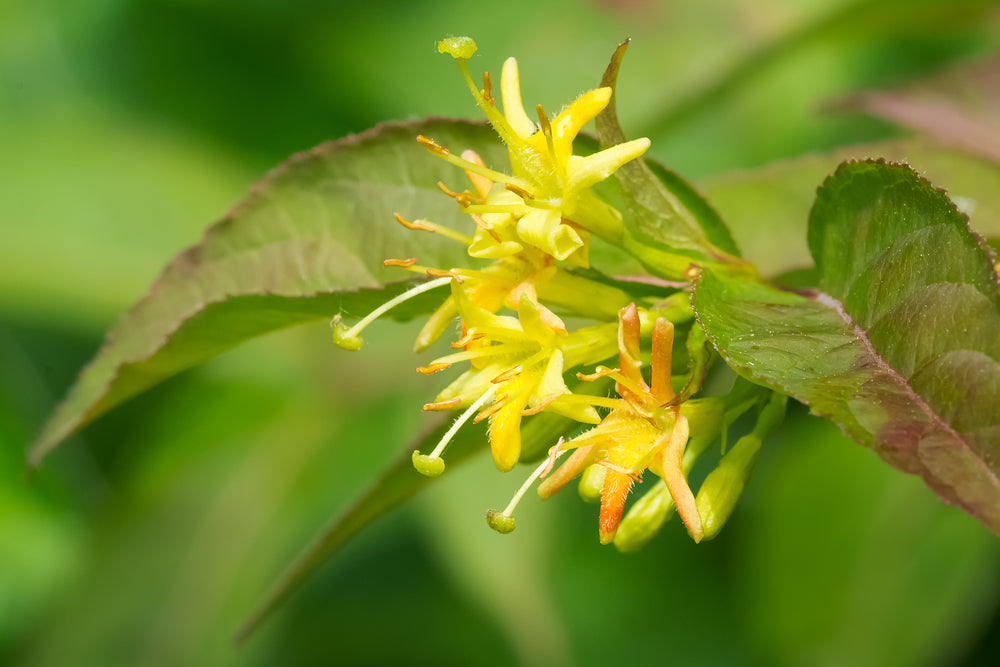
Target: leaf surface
point(900, 349)
point(669, 223)
point(306, 244)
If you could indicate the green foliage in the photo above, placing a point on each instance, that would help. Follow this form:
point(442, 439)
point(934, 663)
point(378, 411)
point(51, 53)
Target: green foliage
point(176, 509)
point(302, 247)
point(900, 348)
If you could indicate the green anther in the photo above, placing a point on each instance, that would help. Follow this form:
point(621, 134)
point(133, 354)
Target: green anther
point(592, 483)
point(500, 522)
point(428, 466)
point(343, 337)
point(722, 488)
point(457, 47)
point(644, 519)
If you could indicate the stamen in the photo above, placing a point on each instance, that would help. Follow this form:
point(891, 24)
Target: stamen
point(349, 339)
point(546, 126)
point(467, 339)
point(488, 89)
point(495, 208)
point(520, 192)
point(433, 465)
point(503, 522)
point(486, 413)
point(402, 263)
point(442, 405)
point(463, 198)
point(506, 375)
point(430, 369)
point(442, 273)
point(485, 226)
point(483, 352)
point(425, 226)
point(554, 452)
point(545, 402)
point(599, 372)
point(445, 154)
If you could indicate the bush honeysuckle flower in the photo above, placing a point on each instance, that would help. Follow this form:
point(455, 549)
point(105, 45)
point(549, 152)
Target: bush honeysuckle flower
point(530, 224)
point(519, 362)
point(548, 192)
point(643, 430)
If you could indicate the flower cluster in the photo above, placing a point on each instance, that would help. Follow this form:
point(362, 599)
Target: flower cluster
point(533, 226)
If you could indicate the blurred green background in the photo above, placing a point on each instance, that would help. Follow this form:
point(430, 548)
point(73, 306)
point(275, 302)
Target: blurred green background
point(127, 127)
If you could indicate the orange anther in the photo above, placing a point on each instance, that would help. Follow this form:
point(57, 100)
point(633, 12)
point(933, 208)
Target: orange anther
point(419, 226)
point(441, 273)
point(442, 405)
point(430, 369)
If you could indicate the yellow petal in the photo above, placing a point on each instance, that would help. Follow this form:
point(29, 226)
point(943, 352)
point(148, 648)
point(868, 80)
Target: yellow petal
point(544, 230)
point(568, 123)
point(513, 109)
point(505, 426)
point(584, 172)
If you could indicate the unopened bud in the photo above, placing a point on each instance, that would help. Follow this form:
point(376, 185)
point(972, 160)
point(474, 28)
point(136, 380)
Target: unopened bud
point(722, 488)
point(644, 519)
point(592, 483)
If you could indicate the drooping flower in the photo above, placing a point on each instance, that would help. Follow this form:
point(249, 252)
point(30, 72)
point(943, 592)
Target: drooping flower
point(528, 222)
point(548, 195)
point(643, 431)
point(518, 364)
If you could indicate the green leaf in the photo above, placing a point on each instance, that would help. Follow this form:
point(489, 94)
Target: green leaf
point(901, 349)
point(669, 223)
point(395, 486)
point(306, 244)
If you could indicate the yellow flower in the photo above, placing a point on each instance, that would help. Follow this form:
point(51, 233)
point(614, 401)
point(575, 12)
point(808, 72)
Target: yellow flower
point(642, 431)
point(518, 364)
point(547, 198)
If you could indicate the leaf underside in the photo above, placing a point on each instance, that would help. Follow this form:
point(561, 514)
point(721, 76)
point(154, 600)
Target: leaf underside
point(900, 347)
point(666, 213)
point(306, 244)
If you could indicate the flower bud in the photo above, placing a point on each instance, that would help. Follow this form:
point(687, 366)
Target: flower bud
point(722, 488)
point(644, 519)
point(592, 483)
